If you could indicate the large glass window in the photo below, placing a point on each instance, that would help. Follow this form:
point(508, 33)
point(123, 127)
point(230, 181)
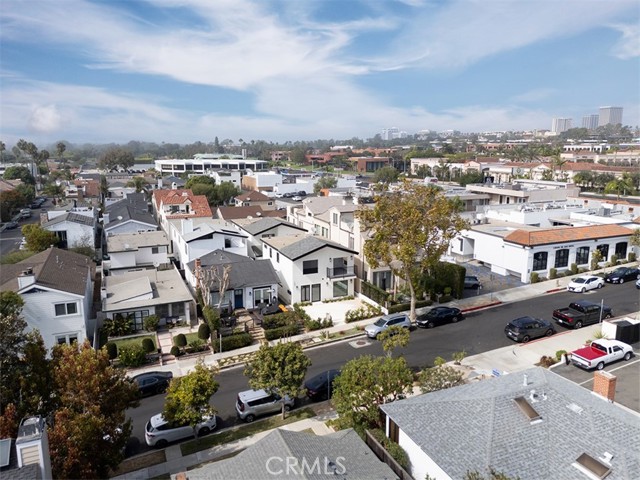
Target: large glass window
point(582, 255)
point(66, 309)
point(305, 293)
point(340, 289)
point(604, 250)
point(562, 258)
point(309, 267)
point(315, 292)
point(621, 250)
point(382, 279)
point(540, 261)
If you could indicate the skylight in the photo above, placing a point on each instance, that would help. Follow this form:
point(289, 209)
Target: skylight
point(527, 409)
point(592, 467)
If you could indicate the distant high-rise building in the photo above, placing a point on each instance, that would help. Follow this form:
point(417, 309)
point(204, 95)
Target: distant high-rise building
point(590, 122)
point(610, 115)
point(560, 125)
point(392, 133)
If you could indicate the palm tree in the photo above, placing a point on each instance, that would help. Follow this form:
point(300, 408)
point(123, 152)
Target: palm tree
point(619, 185)
point(138, 182)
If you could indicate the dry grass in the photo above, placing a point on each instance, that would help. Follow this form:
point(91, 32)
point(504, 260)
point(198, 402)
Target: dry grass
point(141, 461)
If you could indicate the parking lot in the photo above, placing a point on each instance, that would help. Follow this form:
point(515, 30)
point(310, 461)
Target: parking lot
point(490, 282)
point(627, 384)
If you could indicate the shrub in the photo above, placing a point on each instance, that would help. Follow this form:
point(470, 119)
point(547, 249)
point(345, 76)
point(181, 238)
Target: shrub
point(553, 273)
point(233, 342)
point(395, 450)
point(175, 351)
point(574, 268)
point(360, 313)
point(445, 298)
point(546, 361)
point(559, 354)
point(535, 278)
point(300, 312)
point(196, 345)
point(112, 350)
point(403, 307)
point(614, 260)
point(148, 346)
point(151, 323)
point(204, 332)
point(631, 257)
point(212, 316)
point(318, 324)
point(180, 340)
point(279, 320)
point(279, 332)
point(458, 357)
point(132, 356)
point(117, 326)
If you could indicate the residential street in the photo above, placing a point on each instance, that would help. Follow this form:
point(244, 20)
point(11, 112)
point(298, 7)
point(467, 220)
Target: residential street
point(478, 333)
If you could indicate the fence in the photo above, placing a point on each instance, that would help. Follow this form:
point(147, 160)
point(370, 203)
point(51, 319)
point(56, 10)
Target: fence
point(384, 456)
point(374, 293)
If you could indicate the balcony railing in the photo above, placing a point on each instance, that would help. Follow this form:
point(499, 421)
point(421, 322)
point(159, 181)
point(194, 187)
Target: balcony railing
point(341, 272)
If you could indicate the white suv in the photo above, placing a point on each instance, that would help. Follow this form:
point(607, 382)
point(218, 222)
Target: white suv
point(254, 403)
point(158, 432)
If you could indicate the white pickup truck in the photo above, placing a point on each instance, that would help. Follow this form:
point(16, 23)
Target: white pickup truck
point(600, 353)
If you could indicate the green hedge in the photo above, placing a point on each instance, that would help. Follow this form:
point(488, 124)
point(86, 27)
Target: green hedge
point(318, 324)
point(233, 342)
point(365, 311)
point(279, 320)
point(445, 275)
point(132, 356)
point(395, 450)
point(374, 293)
point(279, 332)
point(403, 307)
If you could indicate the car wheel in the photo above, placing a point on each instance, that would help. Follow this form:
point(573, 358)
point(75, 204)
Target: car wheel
point(627, 356)
point(204, 431)
point(160, 389)
point(578, 324)
point(161, 443)
point(583, 290)
point(525, 339)
point(454, 319)
point(600, 285)
point(622, 280)
point(549, 332)
point(600, 366)
point(608, 315)
point(287, 408)
point(249, 418)
point(431, 325)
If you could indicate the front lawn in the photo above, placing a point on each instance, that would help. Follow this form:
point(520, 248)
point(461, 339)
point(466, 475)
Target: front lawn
point(125, 342)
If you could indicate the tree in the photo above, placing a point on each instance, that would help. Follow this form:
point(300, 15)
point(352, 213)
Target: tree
point(324, 182)
point(367, 382)
point(409, 231)
point(439, 377)
point(199, 179)
point(394, 337)
point(470, 176)
point(279, 369)
point(53, 190)
point(634, 240)
point(215, 275)
point(188, 397)
point(38, 239)
point(226, 192)
point(619, 185)
point(20, 173)
point(90, 429)
point(104, 187)
point(596, 258)
point(116, 158)
point(60, 148)
point(386, 175)
point(139, 183)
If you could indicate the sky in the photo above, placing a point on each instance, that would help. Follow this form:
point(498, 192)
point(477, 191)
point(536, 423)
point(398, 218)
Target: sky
point(180, 71)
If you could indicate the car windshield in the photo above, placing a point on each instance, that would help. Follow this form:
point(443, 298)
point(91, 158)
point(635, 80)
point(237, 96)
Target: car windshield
point(619, 271)
point(431, 314)
point(380, 323)
point(580, 280)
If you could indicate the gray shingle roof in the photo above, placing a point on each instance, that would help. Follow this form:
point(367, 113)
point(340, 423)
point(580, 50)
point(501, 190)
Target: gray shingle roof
point(479, 425)
point(134, 207)
point(54, 268)
point(298, 246)
point(351, 456)
point(245, 272)
point(70, 217)
point(261, 225)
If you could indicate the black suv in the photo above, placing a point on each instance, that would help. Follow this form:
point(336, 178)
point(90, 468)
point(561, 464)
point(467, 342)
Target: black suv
point(524, 329)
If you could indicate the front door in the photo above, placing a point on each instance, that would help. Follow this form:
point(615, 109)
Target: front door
point(238, 298)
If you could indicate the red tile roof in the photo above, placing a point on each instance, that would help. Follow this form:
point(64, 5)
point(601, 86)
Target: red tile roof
point(199, 204)
point(568, 234)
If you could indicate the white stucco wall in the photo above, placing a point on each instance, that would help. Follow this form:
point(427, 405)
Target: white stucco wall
point(77, 234)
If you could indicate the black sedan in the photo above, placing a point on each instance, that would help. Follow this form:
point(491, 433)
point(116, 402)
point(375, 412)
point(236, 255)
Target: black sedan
point(152, 383)
point(622, 274)
point(439, 316)
point(320, 387)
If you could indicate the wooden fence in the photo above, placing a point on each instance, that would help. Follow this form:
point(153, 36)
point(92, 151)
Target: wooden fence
point(384, 456)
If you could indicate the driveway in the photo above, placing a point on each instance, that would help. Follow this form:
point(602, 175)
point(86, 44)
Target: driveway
point(491, 282)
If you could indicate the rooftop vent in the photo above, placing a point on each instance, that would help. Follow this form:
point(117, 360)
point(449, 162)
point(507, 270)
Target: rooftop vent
point(528, 410)
point(592, 467)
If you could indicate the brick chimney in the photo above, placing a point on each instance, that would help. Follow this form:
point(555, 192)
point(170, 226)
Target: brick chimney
point(198, 271)
point(604, 384)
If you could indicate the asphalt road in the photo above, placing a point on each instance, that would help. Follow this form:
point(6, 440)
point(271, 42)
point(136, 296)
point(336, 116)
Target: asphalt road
point(10, 239)
point(478, 333)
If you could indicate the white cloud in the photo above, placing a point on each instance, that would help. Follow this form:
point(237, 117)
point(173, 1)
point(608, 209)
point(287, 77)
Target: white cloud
point(45, 119)
point(629, 45)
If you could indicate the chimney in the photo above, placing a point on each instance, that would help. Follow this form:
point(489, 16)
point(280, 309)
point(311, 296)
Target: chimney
point(198, 271)
point(187, 225)
point(604, 384)
point(32, 445)
point(26, 278)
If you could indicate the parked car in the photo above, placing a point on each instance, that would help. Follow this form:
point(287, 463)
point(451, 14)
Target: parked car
point(471, 281)
point(25, 213)
point(439, 316)
point(11, 225)
point(391, 320)
point(638, 283)
point(523, 329)
point(622, 274)
point(158, 432)
point(584, 283)
point(581, 313)
point(152, 383)
point(302, 193)
point(255, 403)
point(601, 352)
point(296, 198)
point(320, 387)
point(279, 195)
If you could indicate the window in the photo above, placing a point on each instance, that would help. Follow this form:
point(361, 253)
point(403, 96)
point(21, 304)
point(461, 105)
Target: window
point(155, 250)
point(335, 218)
point(621, 250)
point(305, 293)
point(604, 250)
point(309, 267)
point(562, 258)
point(227, 243)
point(315, 292)
point(277, 257)
point(69, 339)
point(340, 289)
point(66, 309)
point(582, 255)
point(540, 261)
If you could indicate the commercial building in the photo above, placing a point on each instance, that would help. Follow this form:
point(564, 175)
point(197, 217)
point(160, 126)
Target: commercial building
point(590, 122)
point(610, 116)
point(560, 125)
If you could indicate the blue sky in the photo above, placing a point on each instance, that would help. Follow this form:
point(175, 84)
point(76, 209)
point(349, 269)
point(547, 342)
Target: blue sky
point(180, 71)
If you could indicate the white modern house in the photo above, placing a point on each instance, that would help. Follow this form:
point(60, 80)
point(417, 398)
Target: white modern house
point(264, 227)
point(310, 268)
point(136, 250)
point(193, 241)
point(57, 288)
point(73, 229)
point(140, 293)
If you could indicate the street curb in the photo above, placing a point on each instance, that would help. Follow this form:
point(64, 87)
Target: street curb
point(481, 307)
point(554, 290)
